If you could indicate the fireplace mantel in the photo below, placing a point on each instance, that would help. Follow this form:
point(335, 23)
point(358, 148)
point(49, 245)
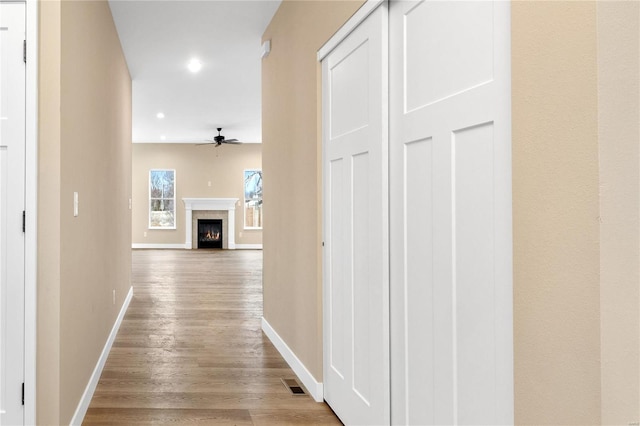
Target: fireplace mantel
point(214, 204)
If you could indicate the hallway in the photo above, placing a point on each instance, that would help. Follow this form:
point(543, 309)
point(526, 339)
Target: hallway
point(190, 349)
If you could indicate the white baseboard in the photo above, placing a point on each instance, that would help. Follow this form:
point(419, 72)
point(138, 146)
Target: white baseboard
point(314, 387)
point(83, 405)
point(157, 246)
point(248, 246)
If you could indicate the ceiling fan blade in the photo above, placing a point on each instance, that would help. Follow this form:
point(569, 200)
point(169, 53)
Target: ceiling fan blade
point(232, 141)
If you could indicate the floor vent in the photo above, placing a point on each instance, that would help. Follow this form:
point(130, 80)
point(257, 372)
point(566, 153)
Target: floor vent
point(293, 386)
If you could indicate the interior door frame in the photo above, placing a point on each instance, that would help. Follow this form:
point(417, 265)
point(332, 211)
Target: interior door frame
point(31, 207)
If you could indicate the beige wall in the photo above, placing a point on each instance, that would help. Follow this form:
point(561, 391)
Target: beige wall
point(291, 160)
point(48, 274)
point(84, 146)
point(576, 185)
point(195, 167)
point(555, 213)
point(618, 26)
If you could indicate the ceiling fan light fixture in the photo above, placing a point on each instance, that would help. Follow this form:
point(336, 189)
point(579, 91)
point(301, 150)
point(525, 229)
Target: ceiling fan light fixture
point(160, 115)
point(219, 139)
point(194, 65)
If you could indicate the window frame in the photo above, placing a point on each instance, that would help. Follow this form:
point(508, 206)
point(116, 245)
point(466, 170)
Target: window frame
point(173, 199)
point(245, 199)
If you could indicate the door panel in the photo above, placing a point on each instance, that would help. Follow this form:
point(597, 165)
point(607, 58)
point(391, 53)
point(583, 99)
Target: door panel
point(450, 177)
point(12, 161)
point(418, 179)
point(473, 285)
point(356, 283)
point(350, 92)
point(447, 42)
point(337, 294)
point(363, 244)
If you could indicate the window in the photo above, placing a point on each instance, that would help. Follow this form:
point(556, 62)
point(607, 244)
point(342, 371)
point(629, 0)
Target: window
point(253, 199)
point(162, 199)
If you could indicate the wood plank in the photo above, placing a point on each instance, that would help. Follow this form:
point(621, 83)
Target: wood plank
point(146, 416)
point(206, 400)
point(285, 418)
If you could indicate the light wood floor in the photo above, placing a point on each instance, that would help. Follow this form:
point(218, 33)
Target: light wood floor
point(190, 349)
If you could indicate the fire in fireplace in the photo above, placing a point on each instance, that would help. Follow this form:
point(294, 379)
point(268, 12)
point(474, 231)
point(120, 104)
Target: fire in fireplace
point(209, 233)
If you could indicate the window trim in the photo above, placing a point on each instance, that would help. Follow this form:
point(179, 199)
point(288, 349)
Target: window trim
point(173, 199)
point(244, 201)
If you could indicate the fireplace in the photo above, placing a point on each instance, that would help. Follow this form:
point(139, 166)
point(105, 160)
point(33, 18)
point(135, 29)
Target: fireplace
point(210, 208)
point(209, 233)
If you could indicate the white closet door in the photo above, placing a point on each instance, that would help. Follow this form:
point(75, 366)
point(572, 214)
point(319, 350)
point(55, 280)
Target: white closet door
point(12, 163)
point(451, 256)
point(356, 284)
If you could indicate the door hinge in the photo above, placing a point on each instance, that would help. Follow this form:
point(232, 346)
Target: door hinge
point(24, 225)
point(24, 51)
point(22, 393)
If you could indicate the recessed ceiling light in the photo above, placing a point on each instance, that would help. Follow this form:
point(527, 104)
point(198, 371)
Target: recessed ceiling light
point(160, 115)
point(194, 65)
point(163, 137)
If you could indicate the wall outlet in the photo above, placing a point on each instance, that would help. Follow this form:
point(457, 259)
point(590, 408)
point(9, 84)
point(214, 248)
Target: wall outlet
point(129, 203)
point(209, 183)
point(114, 296)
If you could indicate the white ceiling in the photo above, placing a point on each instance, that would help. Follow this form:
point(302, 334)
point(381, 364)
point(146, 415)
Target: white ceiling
point(159, 38)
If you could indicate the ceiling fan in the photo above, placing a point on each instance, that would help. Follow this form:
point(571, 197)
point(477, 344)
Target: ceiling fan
point(219, 140)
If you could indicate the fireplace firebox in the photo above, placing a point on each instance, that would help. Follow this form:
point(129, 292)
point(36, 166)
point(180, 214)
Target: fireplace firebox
point(209, 233)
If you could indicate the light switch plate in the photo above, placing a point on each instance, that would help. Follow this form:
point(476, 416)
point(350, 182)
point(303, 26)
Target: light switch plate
point(75, 204)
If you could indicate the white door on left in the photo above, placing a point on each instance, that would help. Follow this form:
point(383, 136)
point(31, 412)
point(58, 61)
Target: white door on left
point(356, 273)
point(12, 198)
